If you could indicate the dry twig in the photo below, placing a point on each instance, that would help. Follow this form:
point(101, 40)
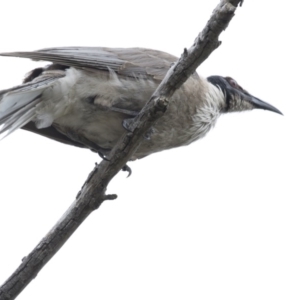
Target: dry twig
point(92, 194)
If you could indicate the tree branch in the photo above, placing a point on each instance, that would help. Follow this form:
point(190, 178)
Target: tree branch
point(92, 193)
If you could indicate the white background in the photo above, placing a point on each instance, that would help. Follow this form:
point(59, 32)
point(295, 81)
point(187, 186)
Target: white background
point(218, 219)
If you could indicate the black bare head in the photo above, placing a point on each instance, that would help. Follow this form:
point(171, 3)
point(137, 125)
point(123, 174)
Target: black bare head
point(236, 98)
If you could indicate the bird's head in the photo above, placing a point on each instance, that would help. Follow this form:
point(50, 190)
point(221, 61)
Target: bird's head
point(236, 98)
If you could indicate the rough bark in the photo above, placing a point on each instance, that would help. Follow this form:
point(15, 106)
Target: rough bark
point(92, 193)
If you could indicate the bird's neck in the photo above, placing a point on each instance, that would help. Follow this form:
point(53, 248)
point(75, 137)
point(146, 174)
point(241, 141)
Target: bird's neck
point(215, 97)
point(208, 111)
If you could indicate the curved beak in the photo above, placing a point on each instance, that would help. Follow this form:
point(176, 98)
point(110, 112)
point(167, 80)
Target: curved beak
point(257, 103)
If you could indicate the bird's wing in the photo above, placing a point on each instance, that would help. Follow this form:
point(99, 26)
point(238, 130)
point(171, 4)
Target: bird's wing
point(129, 62)
point(132, 64)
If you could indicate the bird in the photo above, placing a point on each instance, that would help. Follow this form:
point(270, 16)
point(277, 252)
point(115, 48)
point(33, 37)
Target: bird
point(85, 95)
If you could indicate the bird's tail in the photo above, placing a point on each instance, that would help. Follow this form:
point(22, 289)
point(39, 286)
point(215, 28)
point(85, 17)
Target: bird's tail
point(18, 105)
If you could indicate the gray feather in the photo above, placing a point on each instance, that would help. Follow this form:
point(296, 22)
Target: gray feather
point(17, 105)
point(84, 97)
point(132, 62)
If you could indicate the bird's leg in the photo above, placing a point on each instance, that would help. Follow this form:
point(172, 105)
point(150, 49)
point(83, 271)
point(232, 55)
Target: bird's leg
point(126, 168)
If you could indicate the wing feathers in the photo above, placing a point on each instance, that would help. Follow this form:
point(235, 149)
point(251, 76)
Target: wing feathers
point(132, 62)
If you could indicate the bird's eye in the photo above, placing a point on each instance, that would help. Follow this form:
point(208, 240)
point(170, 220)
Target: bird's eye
point(233, 83)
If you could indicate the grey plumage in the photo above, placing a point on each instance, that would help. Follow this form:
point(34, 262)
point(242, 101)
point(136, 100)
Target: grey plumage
point(86, 94)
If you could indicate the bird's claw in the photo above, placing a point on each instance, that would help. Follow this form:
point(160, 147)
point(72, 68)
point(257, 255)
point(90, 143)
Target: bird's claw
point(102, 156)
point(148, 134)
point(127, 124)
point(126, 168)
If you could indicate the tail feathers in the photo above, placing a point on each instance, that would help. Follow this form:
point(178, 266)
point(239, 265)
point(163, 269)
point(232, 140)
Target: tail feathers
point(18, 118)
point(18, 105)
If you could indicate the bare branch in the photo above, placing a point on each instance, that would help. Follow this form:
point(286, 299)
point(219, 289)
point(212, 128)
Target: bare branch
point(92, 193)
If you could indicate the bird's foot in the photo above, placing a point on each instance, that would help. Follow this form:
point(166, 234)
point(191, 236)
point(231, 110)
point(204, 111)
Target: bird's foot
point(127, 124)
point(149, 133)
point(102, 156)
point(126, 168)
